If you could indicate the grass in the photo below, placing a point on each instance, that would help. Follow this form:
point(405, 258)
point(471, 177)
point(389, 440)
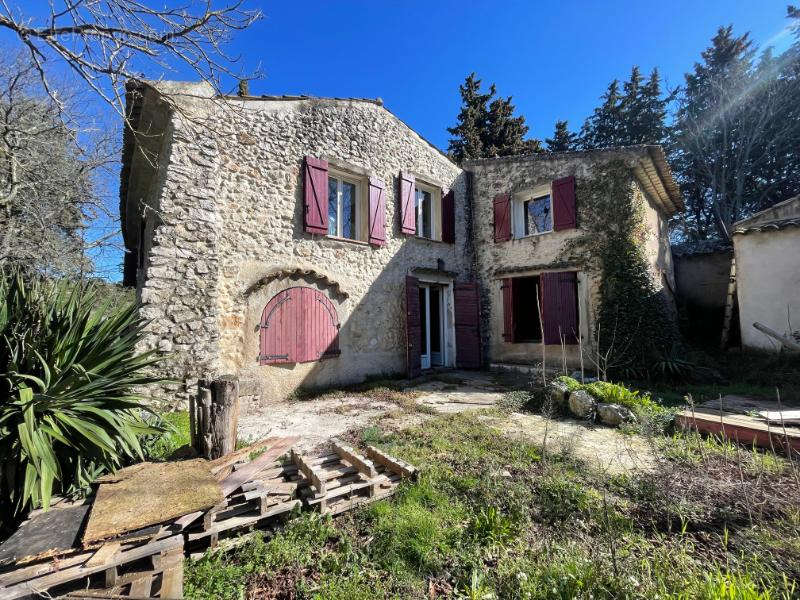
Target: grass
point(490, 517)
point(176, 435)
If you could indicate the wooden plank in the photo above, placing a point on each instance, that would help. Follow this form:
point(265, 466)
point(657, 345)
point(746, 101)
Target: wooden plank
point(254, 467)
point(219, 464)
point(393, 464)
point(142, 585)
point(45, 534)
point(310, 473)
point(65, 575)
point(786, 417)
point(348, 454)
point(104, 553)
point(172, 582)
point(740, 431)
point(243, 521)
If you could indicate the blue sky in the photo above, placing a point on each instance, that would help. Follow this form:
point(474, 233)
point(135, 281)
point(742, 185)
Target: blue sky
point(554, 58)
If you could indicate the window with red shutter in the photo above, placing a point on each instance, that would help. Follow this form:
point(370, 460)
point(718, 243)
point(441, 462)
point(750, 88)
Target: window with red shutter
point(564, 213)
point(299, 324)
point(502, 217)
point(377, 212)
point(413, 328)
point(560, 307)
point(449, 217)
point(408, 207)
point(507, 287)
point(315, 196)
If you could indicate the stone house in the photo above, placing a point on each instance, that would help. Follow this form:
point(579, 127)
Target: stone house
point(312, 242)
point(767, 254)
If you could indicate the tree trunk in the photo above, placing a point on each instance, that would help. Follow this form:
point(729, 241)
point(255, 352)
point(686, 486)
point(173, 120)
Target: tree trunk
point(215, 417)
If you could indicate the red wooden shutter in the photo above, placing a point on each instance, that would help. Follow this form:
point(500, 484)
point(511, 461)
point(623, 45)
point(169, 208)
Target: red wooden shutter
point(278, 340)
point(413, 328)
point(449, 217)
point(298, 325)
point(467, 321)
point(560, 307)
point(564, 204)
point(508, 309)
point(502, 217)
point(408, 205)
point(316, 196)
point(377, 212)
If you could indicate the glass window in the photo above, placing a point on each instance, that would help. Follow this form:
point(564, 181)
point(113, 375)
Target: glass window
point(424, 214)
point(342, 203)
point(537, 215)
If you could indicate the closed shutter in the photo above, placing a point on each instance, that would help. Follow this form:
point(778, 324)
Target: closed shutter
point(413, 328)
point(315, 206)
point(298, 325)
point(502, 217)
point(408, 208)
point(507, 286)
point(564, 216)
point(377, 212)
point(560, 307)
point(467, 321)
point(449, 217)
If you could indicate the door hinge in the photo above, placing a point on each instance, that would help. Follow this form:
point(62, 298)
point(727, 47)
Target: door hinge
point(272, 357)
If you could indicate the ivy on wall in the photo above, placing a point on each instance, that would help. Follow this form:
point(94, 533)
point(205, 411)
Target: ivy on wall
point(635, 326)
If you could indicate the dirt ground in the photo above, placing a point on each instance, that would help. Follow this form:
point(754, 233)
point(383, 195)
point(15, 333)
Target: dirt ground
point(317, 420)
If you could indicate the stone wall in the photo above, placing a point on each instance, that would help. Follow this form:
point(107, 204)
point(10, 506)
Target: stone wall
point(549, 251)
point(229, 205)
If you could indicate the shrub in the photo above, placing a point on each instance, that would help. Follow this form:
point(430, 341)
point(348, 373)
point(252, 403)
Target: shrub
point(67, 371)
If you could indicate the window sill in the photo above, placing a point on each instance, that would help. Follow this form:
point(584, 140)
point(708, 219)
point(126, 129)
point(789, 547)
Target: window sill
point(424, 239)
point(533, 235)
point(336, 238)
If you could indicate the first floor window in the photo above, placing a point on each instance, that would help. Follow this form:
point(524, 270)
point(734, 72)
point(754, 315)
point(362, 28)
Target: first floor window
point(424, 213)
point(538, 217)
point(343, 210)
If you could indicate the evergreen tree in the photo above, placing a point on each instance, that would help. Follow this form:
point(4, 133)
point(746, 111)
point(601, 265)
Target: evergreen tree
point(469, 133)
point(604, 128)
point(487, 125)
point(563, 139)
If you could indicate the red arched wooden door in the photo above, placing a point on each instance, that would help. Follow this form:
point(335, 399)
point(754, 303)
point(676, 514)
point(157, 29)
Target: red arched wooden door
point(299, 324)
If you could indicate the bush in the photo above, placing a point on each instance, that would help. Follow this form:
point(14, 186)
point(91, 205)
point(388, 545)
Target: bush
point(67, 371)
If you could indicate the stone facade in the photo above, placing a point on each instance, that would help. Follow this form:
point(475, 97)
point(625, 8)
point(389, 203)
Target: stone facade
point(212, 206)
point(547, 252)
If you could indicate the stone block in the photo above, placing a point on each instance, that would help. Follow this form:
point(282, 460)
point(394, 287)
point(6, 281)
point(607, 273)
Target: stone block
point(582, 405)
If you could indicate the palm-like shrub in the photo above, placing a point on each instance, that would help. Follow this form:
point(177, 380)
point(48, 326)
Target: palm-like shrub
point(68, 371)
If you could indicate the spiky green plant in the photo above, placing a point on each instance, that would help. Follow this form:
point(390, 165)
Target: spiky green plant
point(68, 371)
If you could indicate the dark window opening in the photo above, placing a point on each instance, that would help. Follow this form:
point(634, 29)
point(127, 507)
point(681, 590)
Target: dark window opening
point(527, 327)
point(142, 232)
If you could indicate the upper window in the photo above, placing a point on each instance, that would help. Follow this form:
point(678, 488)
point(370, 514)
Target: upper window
point(345, 210)
point(428, 207)
point(533, 213)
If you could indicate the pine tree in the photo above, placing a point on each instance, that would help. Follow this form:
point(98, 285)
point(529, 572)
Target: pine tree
point(563, 139)
point(604, 128)
point(468, 140)
point(487, 125)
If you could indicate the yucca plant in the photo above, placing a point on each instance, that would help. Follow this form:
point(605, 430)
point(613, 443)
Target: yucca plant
point(68, 371)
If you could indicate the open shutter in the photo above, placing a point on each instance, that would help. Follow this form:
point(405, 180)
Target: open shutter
point(278, 338)
point(408, 206)
point(449, 217)
point(377, 212)
point(467, 320)
point(560, 307)
point(507, 287)
point(315, 207)
point(502, 217)
point(413, 328)
point(564, 204)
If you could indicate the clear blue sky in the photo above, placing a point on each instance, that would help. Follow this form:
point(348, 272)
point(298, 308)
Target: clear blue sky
point(554, 58)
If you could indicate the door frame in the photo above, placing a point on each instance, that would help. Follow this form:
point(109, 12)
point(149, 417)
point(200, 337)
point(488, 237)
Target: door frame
point(446, 318)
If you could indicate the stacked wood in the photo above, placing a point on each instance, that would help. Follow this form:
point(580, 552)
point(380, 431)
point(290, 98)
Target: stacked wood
point(214, 417)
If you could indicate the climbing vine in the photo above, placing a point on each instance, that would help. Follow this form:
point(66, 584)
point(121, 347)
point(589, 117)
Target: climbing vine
point(635, 326)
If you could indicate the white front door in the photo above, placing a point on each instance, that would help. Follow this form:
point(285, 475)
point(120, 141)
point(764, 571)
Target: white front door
point(431, 309)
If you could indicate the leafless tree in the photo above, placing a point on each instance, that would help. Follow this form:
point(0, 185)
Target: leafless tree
point(106, 43)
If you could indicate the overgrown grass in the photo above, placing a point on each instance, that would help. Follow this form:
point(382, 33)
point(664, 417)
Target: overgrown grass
point(490, 517)
point(161, 446)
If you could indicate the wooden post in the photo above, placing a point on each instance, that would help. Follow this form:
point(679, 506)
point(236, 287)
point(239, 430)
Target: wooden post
point(216, 417)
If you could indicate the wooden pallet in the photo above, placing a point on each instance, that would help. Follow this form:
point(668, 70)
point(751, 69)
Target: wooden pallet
point(113, 565)
point(342, 479)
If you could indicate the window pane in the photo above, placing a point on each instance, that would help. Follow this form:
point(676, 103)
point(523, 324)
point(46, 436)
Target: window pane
point(424, 213)
point(348, 210)
point(537, 215)
point(333, 203)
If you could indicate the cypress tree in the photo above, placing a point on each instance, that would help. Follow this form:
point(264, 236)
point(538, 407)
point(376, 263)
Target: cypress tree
point(604, 128)
point(505, 133)
point(563, 139)
point(468, 140)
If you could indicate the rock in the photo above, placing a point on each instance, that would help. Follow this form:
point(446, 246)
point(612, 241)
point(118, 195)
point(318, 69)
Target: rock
point(582, 405)
point(614, 414)
point(559, 393)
